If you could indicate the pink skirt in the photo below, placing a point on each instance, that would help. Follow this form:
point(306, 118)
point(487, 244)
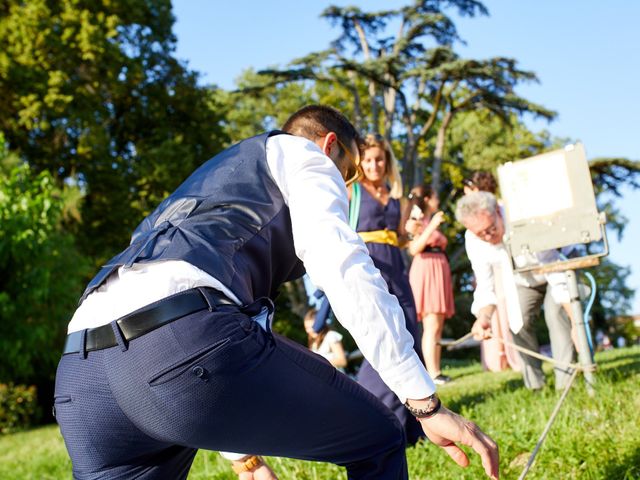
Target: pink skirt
point(430, 278)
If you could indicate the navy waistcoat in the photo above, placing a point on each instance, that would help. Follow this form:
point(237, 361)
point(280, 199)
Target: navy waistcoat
point(228, 219)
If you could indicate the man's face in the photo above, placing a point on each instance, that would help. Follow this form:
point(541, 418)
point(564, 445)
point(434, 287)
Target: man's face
point(487, 226)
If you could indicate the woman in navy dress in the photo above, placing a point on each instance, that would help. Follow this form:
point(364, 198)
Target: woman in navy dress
point(375, 203)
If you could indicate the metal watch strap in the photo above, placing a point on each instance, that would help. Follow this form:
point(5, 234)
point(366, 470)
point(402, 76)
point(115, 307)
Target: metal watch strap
point(434, 407)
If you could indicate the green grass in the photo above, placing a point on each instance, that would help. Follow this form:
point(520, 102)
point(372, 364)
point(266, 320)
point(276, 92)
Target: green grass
point(593, 437)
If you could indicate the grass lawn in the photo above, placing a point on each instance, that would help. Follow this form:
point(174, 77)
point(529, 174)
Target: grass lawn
point(592, 438)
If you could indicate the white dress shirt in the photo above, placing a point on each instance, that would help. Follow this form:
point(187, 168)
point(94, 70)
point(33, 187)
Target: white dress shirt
point(484, 256)
point(335, 258)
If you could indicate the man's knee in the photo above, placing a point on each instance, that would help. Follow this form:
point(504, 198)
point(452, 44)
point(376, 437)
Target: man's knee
point(395, 437)
point(387, 459)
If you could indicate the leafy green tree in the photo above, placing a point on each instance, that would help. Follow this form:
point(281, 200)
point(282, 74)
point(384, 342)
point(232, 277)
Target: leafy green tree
point(404, 83)
point(254, 108)
point(41, 272)
point(476, 85)
point(90, 91)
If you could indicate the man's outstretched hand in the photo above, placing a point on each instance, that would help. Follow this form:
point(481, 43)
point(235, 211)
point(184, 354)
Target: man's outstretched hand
point(446, 428)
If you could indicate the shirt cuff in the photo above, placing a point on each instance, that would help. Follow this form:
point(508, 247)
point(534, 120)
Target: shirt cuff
point(410, 379)
point(234, 457)
point(484, 301)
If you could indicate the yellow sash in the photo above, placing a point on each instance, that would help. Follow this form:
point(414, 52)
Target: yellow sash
point(380, 236)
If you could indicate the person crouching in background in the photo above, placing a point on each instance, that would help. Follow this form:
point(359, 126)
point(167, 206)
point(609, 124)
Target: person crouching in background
point(326, 342)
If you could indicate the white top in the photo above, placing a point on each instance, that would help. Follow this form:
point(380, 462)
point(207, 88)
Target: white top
point(484, 256)
point(335, 257)
point(329, 339)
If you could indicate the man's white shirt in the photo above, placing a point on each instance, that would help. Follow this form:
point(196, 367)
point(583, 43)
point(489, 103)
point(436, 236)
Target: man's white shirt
point(484, 255)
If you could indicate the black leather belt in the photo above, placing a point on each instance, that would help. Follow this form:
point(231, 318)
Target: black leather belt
point(146, 319)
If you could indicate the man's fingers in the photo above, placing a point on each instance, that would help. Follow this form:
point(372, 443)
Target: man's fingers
point(481, 333)
point(476, 330)
point(491, 462)
point(457, 454)
point(487, 449)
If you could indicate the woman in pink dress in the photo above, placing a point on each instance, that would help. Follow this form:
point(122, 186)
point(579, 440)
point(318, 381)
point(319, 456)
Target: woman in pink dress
point(430, 275)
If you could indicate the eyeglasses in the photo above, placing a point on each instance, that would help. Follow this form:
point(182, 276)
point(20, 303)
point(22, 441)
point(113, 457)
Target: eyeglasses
point(491, 230)
point(353, 172)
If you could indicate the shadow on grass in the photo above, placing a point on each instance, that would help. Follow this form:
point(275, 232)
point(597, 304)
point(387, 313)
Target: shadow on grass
point(457, 375)
point(471, 400)
point(630, 361)
point(617, 365)
point(629, 469)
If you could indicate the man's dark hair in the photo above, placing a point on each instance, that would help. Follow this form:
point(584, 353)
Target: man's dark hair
point(315, 121)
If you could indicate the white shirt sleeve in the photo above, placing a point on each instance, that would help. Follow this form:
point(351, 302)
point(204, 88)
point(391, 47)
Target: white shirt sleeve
point(557, 280)
point(484, 293)
point(234, 457)
point(338, 262)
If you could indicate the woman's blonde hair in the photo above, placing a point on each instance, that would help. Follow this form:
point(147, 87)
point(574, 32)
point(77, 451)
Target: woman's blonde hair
point(392, 171)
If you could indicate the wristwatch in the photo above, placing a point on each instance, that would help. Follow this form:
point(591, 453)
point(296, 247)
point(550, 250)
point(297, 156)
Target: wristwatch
point(431, 410)
point(249, 464)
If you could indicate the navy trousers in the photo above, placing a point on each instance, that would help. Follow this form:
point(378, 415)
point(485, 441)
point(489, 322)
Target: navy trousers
point(217, 381)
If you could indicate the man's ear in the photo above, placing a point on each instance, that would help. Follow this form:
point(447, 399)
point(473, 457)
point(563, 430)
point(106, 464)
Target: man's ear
point(327, 143)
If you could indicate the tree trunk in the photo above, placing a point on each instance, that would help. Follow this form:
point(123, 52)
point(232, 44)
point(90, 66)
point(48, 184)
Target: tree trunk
point(358, 120)
point(364, 44)
point(297, 297)
point(418, 168)
point(438, 153)
point(389, 97)
point(408, 171)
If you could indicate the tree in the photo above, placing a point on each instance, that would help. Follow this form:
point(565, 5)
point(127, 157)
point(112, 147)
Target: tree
point(411, 87)
point(41, 272)
point(91, 92)
point(252, 108)
point(476, 85)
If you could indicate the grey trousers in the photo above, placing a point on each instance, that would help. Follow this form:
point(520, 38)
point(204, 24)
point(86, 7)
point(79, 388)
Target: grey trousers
point(559, 325)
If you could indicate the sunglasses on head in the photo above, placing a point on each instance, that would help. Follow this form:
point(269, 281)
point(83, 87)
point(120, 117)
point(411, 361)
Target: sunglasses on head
point(353, 172)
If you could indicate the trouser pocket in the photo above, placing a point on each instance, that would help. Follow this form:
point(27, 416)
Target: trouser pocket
point(194, 364)
point(59, 400)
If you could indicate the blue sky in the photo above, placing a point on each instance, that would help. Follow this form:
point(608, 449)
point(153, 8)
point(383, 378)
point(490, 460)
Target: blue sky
point(585, 53)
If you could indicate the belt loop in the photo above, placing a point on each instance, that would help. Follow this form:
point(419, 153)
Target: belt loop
point(205, 294)
point(124, 345)
point(82, 348)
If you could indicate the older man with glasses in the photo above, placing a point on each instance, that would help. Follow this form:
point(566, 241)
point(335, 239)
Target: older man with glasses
point(525, 293)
